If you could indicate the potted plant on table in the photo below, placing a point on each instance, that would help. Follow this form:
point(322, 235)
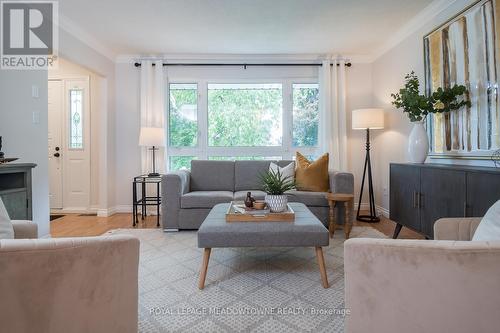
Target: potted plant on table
point(275, 186)
point(418, 106)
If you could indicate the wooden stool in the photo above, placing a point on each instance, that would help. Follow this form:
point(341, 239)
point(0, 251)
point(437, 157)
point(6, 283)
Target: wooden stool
point(348, 201)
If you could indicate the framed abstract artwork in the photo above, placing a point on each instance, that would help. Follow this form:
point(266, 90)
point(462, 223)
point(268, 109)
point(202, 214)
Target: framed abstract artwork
point(465, 50)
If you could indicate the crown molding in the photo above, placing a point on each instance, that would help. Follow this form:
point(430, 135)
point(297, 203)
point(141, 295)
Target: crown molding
point(249, 58)
point(79, 33)
point(413, 25)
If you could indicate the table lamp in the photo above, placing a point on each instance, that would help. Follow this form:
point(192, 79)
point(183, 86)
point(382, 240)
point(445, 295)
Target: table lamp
point(153, 137)
point(366, 119)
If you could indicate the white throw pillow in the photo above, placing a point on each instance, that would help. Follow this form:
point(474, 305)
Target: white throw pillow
point(287, 171)
point(6, 228)
point(489, 227)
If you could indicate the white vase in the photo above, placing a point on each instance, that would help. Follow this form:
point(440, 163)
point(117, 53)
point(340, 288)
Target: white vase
point(277, 203)
point(418, 143)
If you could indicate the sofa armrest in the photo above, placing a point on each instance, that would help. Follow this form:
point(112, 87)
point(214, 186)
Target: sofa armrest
point(424, 286)
point(173, 186)
point(341, 182)
point(85, 284)
point(25, 229)
point(460, 229)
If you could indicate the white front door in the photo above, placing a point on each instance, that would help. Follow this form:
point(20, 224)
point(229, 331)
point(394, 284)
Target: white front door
point(69, 144)
point(76, 180)
point(56, 104)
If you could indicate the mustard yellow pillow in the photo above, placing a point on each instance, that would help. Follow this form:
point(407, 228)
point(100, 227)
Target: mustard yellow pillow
point(312, 176)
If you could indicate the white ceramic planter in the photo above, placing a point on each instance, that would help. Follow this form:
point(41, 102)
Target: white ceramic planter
point(418, 143)
point(277, 203)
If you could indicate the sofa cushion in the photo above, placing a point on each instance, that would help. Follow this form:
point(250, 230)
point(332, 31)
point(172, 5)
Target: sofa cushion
point(489, 227)
point(247, 173)
point(312, 176)
point(285, 172)
point(6, 228)
point(241, 195)
point(205, 199)
point(212, 175)
point(317, 199)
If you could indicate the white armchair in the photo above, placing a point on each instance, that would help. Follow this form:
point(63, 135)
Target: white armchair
point(445, 285)
point(86, 284)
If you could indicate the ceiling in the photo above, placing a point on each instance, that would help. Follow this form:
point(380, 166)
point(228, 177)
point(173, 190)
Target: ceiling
point(241, 26)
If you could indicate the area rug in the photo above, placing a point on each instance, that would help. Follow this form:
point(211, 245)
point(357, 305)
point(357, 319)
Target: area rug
point(247, 289)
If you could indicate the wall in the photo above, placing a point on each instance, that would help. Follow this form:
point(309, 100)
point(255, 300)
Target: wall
point(388, 76)
point(67, 69)
point(22, 137)
point(358, 88)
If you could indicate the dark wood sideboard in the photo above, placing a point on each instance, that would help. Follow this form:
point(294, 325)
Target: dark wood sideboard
point(15, 189)
point(420, 194)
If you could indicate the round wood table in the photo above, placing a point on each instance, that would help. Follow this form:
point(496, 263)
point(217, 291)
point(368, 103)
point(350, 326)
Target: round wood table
point(348, 201)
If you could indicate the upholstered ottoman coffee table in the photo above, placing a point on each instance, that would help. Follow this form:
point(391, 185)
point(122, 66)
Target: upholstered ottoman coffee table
point(305, 231)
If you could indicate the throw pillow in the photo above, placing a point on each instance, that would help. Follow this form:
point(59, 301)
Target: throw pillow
point(312, 176)
point(6, 228)
point(287, 171)
point(489, 227)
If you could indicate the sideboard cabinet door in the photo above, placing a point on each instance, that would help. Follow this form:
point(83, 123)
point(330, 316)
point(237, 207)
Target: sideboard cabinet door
point(483, 190)
point(442, 195)
point(405, 185)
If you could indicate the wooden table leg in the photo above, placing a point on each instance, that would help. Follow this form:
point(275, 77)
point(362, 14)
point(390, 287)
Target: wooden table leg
point(204, 268)
point(349, 206)
point(322, 269)
point(332, 222)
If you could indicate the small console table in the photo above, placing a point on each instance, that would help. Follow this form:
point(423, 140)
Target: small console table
point(145, 200)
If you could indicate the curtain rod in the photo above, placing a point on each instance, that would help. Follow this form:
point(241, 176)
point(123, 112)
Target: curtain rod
point(137, 64)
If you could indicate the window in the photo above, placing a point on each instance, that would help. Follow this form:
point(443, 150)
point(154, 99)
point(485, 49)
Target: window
point(305, 115)
point(239, 158)
point(183, 125)
point(75, 119)
point(245, 115)
point(235, 120)
point(180, 162)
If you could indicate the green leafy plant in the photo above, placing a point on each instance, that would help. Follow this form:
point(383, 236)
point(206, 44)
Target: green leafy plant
point(418, 106)
point(274, 183)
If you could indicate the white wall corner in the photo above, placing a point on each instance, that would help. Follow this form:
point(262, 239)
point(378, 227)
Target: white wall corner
point(413, 25)
point(79, 33)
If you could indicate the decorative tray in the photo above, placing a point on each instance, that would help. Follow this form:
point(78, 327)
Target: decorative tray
point(6, 160)
point(237, 212)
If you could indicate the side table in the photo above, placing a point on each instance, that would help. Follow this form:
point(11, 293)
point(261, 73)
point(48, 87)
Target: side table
point(145, 200)
point(348, 201)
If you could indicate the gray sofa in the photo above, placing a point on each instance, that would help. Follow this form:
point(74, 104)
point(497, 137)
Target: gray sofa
point(188, 196)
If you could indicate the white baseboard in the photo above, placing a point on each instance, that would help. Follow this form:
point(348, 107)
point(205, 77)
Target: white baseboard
point(380, 210)
point(128, 209)
point(73, 210)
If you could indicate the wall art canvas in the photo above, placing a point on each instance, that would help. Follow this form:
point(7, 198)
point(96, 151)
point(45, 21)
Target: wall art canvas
point(465, 50)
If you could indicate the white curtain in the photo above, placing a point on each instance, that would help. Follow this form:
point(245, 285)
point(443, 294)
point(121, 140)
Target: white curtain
point(153, 110)
point(333, 109)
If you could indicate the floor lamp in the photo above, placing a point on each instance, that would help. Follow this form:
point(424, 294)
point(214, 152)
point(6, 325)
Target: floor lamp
point(153, 137)
point(367, 119)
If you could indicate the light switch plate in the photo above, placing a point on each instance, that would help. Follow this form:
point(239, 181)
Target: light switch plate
point(35, 92)
point(36, 117)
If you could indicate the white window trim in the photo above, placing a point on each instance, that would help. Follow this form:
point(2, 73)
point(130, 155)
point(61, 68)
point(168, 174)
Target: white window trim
point(202, 151)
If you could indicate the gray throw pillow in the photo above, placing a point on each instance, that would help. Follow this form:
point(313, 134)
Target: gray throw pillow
point(6, 228)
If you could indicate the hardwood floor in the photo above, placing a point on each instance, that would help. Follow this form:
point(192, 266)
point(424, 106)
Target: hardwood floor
point(75, 225)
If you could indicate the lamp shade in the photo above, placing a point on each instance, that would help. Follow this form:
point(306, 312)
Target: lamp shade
point(368, 118)
point(152, 136)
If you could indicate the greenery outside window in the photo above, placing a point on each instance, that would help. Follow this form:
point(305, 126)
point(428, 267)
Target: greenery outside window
point(183, 116)
point(254, 120)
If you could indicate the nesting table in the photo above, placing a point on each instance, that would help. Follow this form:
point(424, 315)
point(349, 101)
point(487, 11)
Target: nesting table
point(145, 200)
